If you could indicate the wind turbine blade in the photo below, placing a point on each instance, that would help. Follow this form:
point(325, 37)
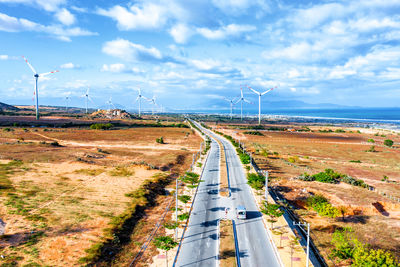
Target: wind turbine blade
point(241, 92)
point(87, 91)
point(90, 99)
point(226, 99)
point(247, 101)
point(253, 90)
point(145, 98)
point(30, 66)
point(267, 91)
point(47, 73)
point(238, 100)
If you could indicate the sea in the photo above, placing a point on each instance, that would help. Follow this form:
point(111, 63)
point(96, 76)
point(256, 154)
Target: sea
point(380, 118)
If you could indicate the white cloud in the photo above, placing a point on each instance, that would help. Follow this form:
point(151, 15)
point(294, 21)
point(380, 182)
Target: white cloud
point(232, 30)
point(146, 16)
point(117, 67)
point(12, 24)
point(69, 65)
point(238, 7)
point(127, 50)
point(3, 57)
point(293, 89)
point(65, 17)
point(48, 5)
point(181, 33)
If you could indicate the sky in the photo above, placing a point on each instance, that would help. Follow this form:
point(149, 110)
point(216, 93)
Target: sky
point(190, 54)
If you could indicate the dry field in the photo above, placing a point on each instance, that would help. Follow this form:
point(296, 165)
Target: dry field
point(375, 219)
point(60, 188)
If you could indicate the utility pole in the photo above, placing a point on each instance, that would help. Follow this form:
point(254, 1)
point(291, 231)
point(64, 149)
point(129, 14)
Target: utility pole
point(308, 238)
point(266, 185)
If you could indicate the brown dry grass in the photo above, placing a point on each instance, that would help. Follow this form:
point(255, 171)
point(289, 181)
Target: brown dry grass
point(224, 186)
point(313, 152)
point(227, 251)
point(73, 191)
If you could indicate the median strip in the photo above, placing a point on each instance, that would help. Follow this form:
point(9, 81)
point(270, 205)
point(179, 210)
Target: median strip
point(227, 249)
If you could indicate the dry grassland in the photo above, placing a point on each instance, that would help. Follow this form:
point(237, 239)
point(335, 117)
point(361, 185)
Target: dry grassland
point(374, 218)
point(58, 200)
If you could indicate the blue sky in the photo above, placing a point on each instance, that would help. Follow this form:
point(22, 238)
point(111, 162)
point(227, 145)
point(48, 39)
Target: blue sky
point(190, 53)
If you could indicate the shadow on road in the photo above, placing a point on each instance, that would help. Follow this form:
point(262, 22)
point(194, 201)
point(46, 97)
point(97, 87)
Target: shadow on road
point(209, 223)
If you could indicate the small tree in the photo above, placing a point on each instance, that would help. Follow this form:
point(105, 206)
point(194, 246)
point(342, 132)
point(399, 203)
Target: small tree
point(342, 210)
point(273, 211)
point(279, 232)
point(388, 143)
point(165, 243)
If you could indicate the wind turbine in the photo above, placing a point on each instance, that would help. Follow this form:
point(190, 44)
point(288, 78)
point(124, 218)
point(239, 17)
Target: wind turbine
point(241, 99)
point(67, 97)
point(86, 95)
point(259, 100)
point(140, 96)
point(36, 76)
point(153, 101)
point(231, 101)
point(110, 103)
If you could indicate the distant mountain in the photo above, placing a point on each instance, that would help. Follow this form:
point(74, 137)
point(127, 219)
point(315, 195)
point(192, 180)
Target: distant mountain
point(6, 107)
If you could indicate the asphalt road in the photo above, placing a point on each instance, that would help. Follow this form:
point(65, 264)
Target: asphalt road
point(201, 239)
point(255, 246)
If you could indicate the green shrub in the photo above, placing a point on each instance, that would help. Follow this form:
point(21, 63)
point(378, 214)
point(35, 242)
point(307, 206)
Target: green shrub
point(340, 131)
point(101, 126)
point(355, 161)
point(256, 181)
point(388, 143)
point(371, 140)
point(322, 206)
point(183, 216)
point(372, 149)
point(254, 133)
point(171, 225)
point(160, 140)
point(184, 198)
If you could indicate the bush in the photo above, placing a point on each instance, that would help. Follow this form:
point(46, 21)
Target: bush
point(322, 206)
point(372, 149)
point(244, 158)
point(101, 126)
point(171, 225)
point(340, 131)
point(329, 176)
point(184, 198)
point(371, 140)
point(388, 143)
point(254, 133)
point(183, 216)
point(160, 140)
point(256, 181)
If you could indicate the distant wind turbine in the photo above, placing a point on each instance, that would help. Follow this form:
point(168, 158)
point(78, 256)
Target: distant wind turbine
point(36, 76)
point(86, 95)
point(259, 100)
point(110, 103)
point(241, 100)
point(232, 103)
point(153, 101)
point(67, 97)
point(139, 98)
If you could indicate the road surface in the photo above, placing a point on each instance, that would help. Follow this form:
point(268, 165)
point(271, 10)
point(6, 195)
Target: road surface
point(255, 246)
point(201, 240)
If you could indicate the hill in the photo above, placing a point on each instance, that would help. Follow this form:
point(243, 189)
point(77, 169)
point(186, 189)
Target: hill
point(6, 107)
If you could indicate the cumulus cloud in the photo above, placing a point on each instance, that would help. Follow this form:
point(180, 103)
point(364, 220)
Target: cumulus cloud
point(181, 33)
point(238, 7)
point(231, 30)
point(65, 17)
point(48, 5)
point(3, 57)
point(127, 50)
point(12, 24)
point(146, 16)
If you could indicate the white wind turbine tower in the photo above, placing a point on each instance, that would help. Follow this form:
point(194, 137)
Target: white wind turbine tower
point(153, 101)
point(67, 98)
point(139, 98)
point(259, 100)
point(86, 95)
point(36, 76)
point(231, 101)
point(241, 100)
point(110, 103)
